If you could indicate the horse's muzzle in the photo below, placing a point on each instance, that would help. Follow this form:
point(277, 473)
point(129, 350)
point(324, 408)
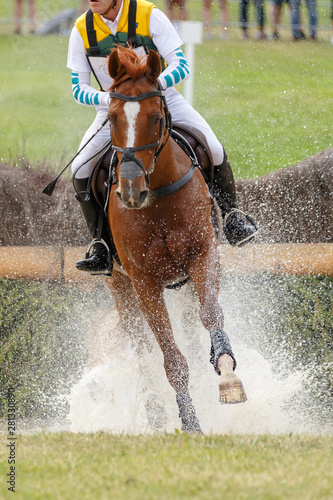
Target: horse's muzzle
point(133, 184)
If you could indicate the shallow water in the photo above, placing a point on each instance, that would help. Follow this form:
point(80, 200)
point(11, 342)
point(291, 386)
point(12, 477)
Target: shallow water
point(123, 392)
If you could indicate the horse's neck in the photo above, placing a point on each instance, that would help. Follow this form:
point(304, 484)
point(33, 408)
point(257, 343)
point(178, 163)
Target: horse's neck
point(172, 164)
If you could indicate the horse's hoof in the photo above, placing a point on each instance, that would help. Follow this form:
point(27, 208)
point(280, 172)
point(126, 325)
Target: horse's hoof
point(190, 422)
point(192, 427)
point(231, 390)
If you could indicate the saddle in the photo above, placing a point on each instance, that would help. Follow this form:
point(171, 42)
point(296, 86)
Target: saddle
point(199, 145)
point(184, 136)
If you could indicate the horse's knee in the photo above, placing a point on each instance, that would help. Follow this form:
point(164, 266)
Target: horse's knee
point(211, 316)
point(176, 369)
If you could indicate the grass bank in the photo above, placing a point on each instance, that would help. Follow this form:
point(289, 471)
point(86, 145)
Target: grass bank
point(42, 344)
point(85, 466)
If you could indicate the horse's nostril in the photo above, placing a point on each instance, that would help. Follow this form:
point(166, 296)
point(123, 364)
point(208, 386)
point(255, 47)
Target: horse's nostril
point(123, 196)
point(142, 196)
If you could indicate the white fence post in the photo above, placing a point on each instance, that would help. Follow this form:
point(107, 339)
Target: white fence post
point(191, 34)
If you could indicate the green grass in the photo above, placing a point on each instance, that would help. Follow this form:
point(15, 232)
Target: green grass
point(39, 119)
point(267, 102)
point(83, 466)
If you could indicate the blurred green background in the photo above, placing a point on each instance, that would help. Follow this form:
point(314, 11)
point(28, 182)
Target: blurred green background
point(268, 102)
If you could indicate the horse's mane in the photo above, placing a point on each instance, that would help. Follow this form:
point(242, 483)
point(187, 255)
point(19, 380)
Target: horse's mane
point(134, 65)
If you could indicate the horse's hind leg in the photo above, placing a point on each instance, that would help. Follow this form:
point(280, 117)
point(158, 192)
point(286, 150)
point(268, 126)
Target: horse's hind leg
point(205, 274)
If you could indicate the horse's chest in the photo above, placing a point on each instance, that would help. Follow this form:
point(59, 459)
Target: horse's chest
point(152, 245)
point(170, 250)
point(157, 251)
point(160, 243)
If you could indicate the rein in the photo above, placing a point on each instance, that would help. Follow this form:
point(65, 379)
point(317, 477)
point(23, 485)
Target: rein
point(128, 153)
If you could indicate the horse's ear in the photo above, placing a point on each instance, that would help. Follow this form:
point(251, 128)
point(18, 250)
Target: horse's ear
point(153, 66)
point(114, 64)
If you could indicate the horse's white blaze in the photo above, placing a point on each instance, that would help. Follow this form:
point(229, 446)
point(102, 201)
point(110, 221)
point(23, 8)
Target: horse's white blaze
point(131, 111)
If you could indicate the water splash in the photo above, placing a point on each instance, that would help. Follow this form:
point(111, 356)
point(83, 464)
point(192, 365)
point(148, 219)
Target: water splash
point(123, 392)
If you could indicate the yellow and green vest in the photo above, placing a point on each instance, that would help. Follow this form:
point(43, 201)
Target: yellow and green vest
point(106, 41)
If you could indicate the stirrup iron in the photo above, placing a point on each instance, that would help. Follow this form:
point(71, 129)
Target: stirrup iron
point(105, 272)
point(249, 219)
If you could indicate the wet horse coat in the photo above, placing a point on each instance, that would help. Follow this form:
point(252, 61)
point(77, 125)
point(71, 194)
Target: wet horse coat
point(163, 240)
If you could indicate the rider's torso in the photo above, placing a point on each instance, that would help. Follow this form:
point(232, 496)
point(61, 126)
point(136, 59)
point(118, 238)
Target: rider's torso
point(106, 40)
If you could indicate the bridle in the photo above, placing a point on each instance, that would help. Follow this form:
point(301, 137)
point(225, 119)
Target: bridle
point(128, 154)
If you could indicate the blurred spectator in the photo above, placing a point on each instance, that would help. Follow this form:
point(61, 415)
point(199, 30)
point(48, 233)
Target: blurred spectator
point(276, 18)
point(295, 6)
point(260, 18)
point(18, 15)
point(224, 19)
point(173, 6)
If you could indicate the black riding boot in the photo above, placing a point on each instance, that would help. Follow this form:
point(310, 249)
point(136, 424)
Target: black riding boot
point(98, 259)
point(238, 227)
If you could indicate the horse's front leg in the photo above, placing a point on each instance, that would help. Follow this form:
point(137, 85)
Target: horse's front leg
point(150, 298)
point(205, 273)
point(130, 315)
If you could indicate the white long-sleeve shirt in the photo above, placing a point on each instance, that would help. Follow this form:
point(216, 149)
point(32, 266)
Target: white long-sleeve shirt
point(166, 40)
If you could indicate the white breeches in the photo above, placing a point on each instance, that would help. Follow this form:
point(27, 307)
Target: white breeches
point(182, 114)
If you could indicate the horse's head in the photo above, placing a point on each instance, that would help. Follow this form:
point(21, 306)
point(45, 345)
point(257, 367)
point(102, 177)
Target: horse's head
point(137, 119)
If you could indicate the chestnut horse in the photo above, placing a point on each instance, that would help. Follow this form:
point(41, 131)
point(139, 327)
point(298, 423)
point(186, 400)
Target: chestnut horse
point(162, 236)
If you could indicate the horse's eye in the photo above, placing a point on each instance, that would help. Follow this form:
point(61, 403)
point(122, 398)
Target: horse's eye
point(156, 119)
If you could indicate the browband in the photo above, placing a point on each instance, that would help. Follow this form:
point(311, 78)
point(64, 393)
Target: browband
point(140, 97)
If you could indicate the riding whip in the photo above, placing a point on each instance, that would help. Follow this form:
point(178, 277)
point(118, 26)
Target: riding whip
point(50, 187)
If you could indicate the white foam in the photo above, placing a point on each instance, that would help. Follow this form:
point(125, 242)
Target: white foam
point(113, 393)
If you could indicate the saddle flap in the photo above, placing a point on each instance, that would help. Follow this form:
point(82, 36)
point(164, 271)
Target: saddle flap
point(199, 145)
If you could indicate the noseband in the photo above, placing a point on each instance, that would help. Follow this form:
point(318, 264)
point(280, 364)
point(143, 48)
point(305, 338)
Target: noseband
point(128, 154)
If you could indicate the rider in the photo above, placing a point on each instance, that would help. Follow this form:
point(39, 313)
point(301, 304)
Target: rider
point(109, 22)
